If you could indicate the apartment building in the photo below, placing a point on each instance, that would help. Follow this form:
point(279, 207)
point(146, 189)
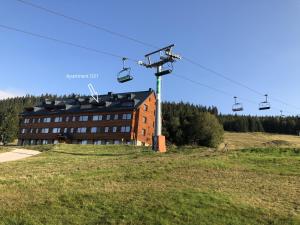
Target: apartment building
point(123, 118)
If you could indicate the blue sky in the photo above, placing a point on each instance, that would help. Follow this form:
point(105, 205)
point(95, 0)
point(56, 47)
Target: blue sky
point(253, 42)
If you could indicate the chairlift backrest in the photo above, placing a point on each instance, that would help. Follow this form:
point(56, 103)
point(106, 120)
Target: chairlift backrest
point(237, 106)
point(265, 105)
point(125, 74)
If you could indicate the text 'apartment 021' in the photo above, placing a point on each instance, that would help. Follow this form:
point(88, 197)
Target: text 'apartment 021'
point(124, 118)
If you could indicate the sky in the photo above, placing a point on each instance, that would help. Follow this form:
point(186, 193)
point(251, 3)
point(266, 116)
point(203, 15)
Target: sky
point(252, 42)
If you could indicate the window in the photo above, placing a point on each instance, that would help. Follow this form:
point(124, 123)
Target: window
point(144, 119)
point(94, 130)
point(97, 117)
point(83, 118)
point(116, 117)
point(55, 142)
point(74, 118)
point(66, 130)
point(56, 130)
point(81, 130)
point(31, 130)
point(116, 142)
point(26, 120)
point(32, 142)
point(126, 116)
point(125, 129)
point(45, 130)
point(33, 120)
point(23, 131)
point(47, 120)
point(67, 118)
point(84, 142)
point(57, 119)
point(106, 129)
point(37, 130)
point(107, 117)
point(114, 129)
point(39, 120)
point(45, 142)
point(145, 107)
point(143, 132)
point(72, 130)
point(97, 142)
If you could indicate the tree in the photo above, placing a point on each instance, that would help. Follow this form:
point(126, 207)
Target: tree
point(8, 125)
point(205, 130)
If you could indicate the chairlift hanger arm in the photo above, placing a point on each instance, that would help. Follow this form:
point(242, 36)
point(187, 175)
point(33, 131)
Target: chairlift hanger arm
point(159, 50)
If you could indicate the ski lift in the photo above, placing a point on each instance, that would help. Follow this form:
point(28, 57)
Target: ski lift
point(125, 74)
point(265, 105)
point(237, 106)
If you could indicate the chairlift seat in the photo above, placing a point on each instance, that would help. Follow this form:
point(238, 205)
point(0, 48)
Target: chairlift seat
point(125, 79)
point(264, 106)
point(124, 75)
point(237, 107)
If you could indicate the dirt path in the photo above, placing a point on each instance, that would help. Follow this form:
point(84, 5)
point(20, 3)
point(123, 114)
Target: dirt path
point(17, 154)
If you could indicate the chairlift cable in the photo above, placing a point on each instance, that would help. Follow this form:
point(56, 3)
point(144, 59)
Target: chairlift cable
point(80, 21)
point(65, 42)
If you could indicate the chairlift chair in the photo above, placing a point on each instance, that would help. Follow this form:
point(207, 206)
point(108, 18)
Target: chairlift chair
point(265, 105)
point(236, 107)
point(125, 74)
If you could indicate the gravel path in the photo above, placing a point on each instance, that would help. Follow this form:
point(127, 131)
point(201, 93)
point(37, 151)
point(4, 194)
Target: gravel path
point(19, 153)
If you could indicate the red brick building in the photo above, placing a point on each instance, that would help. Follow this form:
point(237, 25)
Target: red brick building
point(124, 118)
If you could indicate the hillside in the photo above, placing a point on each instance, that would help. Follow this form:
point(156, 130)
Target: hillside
point(72, 184)
point(258, 139)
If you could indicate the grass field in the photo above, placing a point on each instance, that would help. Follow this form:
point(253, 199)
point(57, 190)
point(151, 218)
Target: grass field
point(69, 184)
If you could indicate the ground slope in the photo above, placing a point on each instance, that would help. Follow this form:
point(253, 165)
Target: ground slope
point(72, 184)
point(258, 139)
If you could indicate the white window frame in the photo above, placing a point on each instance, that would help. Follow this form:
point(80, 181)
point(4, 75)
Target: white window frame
point(97, 142)
point(47, 120)
point(93, 130)
point(56, 130)
point(126, 116)
point(114, 130)
point(106, 129)
point(127, 129)
point(45, 130)
point(97, 117)
point(58, 119)
point(83, 118)
point(81, 130)
point(84, 142)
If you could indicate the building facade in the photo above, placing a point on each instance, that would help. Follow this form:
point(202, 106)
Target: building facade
point(124, 118)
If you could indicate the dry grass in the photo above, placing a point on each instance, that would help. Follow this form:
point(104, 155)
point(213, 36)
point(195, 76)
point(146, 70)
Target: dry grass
point(249, 140)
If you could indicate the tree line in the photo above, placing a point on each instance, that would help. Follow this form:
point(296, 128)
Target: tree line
point(183, 123)
point(270, 124)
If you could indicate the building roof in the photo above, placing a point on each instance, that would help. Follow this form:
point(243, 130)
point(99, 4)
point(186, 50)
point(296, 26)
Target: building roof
point(77, 104)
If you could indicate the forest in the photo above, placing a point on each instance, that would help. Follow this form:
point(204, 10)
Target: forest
point(183, 123)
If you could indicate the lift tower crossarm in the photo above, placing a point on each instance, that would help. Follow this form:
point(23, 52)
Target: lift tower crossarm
point(168, 57)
